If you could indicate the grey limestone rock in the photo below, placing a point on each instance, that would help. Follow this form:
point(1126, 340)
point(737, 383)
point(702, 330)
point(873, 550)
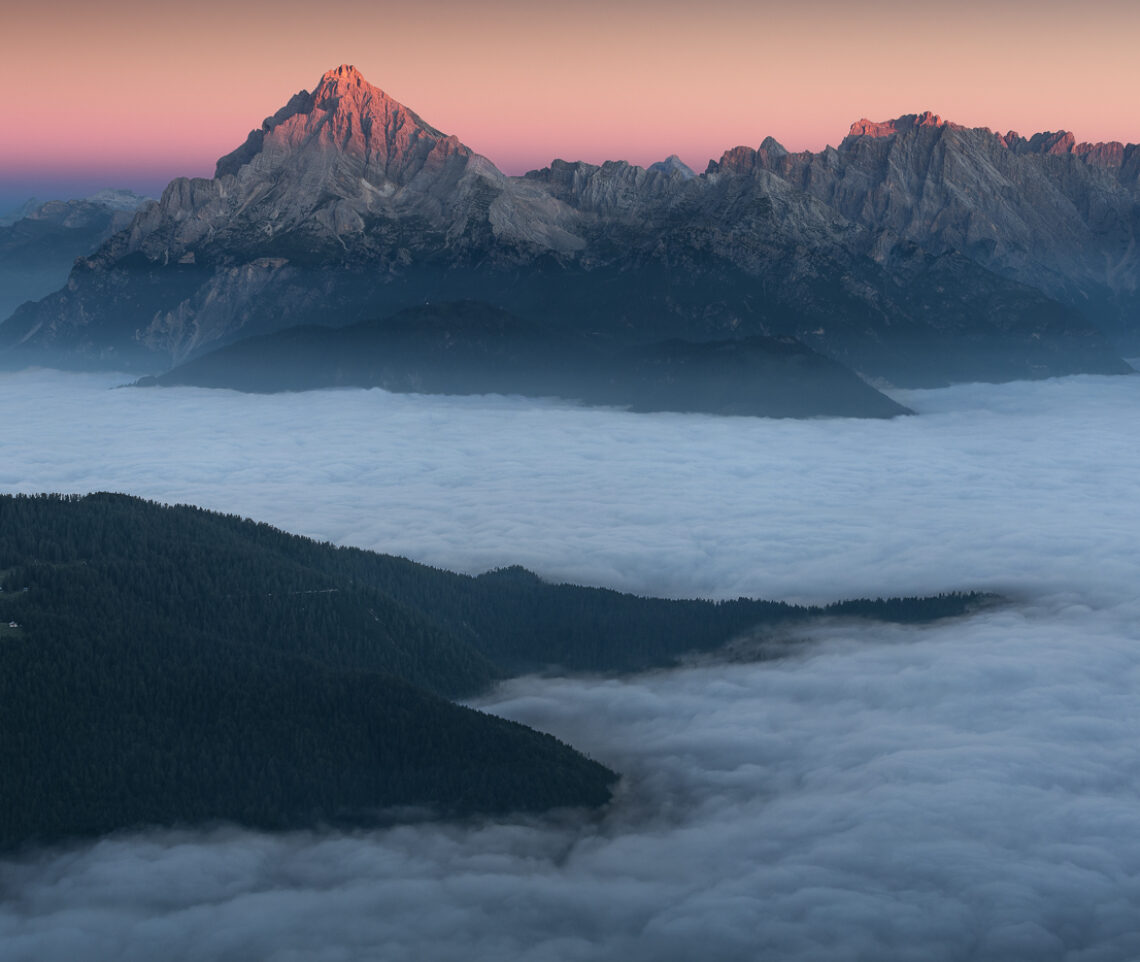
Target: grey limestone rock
point(888, 254)
point(1047, 212)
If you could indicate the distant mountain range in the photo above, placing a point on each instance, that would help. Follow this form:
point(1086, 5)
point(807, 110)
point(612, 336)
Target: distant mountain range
point(917, 253)
point(50, 211)
point(39, 242)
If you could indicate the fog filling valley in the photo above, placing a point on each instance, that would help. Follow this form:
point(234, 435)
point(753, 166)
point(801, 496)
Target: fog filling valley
point(962, 790)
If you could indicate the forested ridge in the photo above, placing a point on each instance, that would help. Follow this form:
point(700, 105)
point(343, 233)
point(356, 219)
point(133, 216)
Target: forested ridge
point(167, 665)
point(472, 347)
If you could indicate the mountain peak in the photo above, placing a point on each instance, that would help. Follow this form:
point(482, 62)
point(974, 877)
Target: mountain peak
point(346, 118)
point(888, 128)
point(674, 165)
point(1052, 142)
point(346, 73)
point(346, 80)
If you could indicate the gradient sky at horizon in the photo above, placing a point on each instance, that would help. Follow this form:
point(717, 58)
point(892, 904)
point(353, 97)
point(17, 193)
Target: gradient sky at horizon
point(131, 94)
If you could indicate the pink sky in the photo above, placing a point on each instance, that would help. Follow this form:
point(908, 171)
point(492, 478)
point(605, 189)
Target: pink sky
point(131, 93)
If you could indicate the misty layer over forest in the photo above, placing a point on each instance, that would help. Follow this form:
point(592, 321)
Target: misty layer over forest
point(960, 790)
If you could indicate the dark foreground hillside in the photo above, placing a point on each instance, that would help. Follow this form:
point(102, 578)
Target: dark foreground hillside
point(167, 665)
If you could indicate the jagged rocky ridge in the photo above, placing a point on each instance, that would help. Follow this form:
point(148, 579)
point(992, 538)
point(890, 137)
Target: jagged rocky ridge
point(1060, 216)
point(345, 205)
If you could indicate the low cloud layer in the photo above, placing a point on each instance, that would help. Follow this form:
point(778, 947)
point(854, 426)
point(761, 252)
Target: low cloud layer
point(966, 791)
point(961, 791)
point(1011, 486)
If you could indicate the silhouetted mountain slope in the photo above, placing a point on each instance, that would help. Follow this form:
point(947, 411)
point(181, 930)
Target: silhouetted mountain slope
point(167, 665)
point(473, 348)
point(172, 666)
point(345, 205)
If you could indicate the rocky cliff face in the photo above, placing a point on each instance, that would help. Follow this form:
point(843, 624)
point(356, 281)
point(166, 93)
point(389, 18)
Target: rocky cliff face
point(346, 205)
point(1053, 214)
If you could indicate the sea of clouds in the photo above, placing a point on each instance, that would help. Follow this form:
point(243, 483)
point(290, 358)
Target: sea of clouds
point(960, 791)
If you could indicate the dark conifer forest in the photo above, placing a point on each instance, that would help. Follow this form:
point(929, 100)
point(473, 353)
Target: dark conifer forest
point(169, 665)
